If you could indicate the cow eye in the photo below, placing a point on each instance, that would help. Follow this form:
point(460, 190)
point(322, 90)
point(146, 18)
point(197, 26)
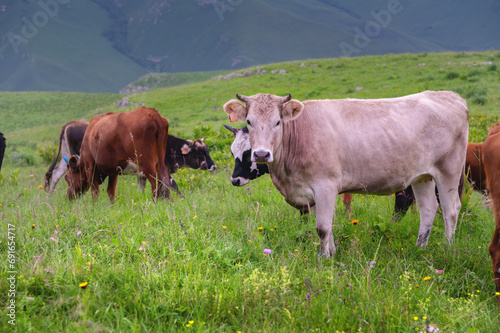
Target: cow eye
point(278, 123)
point(249, 123)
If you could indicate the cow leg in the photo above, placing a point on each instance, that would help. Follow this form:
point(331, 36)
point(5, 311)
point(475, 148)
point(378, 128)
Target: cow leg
point(325, 210)
point(173, 186)
point(58, 172)
point(428, 206)
point(141, 182)
point(346, 199)
point(494, 249)
point(449, 198)
point(95, 188)
point(112, 180)
point(157, 183)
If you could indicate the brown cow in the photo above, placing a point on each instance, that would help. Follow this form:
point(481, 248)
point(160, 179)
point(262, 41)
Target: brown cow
point(474, 166)
point(491, 161)
point(117, 143)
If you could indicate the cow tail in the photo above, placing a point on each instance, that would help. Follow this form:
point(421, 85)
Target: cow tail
point(461, 184)
point(162, 169)
point(48, 174)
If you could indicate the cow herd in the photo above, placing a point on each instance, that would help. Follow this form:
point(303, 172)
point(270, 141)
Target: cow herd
point(415, 146)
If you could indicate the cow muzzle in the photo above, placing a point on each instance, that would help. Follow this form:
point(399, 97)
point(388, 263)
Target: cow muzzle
point(239, 181)
point(262, 156)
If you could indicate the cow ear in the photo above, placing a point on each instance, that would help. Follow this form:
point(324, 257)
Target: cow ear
point(73, 161)
point(199, 143)
point(185, 149)
point(235, 110)
point(292, 109)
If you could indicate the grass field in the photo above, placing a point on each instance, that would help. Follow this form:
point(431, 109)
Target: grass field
point(197, 262)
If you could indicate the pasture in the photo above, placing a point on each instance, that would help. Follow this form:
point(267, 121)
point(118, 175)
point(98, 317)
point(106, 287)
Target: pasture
point(197, 262)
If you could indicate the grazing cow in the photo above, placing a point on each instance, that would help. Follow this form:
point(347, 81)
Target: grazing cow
point(70, 141)
point(317, 149)
point(117, 143)
point(180, 153)
point(491, 162)
point(2, 149)
point(245, 170)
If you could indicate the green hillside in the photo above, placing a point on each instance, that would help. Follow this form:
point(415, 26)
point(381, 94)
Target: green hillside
point(192, 102)
point(101, 46)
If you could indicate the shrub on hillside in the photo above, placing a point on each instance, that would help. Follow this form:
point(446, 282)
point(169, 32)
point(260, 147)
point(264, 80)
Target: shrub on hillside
point(478, 95)
point(47, 152)
point(452, 75)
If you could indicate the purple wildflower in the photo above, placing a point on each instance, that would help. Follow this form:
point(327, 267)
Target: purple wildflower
point(78, 233)
point(267, 251)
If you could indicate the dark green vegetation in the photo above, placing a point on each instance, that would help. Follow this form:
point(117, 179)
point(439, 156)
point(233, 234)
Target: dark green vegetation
point(100, 45)
point(196, 263)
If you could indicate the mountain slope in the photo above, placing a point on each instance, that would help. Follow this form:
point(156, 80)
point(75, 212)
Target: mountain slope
point(101, 46)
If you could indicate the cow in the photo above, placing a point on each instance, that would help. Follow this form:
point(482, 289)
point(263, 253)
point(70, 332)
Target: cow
point(2, 149)
point(491, 162)
point(183, 153)
point(70, 141)
point(180, 153)
point(246, 170)
point(318, 149)
point(118, 143)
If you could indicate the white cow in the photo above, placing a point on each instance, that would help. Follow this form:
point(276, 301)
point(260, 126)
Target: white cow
point(318, 149)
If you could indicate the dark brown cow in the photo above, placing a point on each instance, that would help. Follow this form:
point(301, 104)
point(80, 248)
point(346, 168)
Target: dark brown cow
point(491, 161)
point(70, 141)
point(117, 143)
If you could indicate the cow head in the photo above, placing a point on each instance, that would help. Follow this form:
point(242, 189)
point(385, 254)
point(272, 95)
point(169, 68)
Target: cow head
point(76, 178)
point(244, 169)
point(265, 115)
point(196, 155)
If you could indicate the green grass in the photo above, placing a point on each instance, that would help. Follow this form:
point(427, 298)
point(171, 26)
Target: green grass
point(196, 262)
point(157, 266)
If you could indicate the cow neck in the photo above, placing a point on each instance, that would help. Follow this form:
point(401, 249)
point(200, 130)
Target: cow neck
point(287, 150)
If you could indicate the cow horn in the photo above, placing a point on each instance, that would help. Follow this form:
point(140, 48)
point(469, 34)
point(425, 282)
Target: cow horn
point(232, 129)
point(286, 98)
point(242, 98)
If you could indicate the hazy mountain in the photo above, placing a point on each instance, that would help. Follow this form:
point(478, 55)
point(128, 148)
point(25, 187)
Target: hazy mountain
point(101, 45)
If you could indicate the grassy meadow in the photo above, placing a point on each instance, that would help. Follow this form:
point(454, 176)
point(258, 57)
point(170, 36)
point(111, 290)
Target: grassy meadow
point(196, 262)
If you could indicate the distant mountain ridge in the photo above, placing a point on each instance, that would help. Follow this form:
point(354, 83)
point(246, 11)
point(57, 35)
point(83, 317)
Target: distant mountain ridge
point(102, 45)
